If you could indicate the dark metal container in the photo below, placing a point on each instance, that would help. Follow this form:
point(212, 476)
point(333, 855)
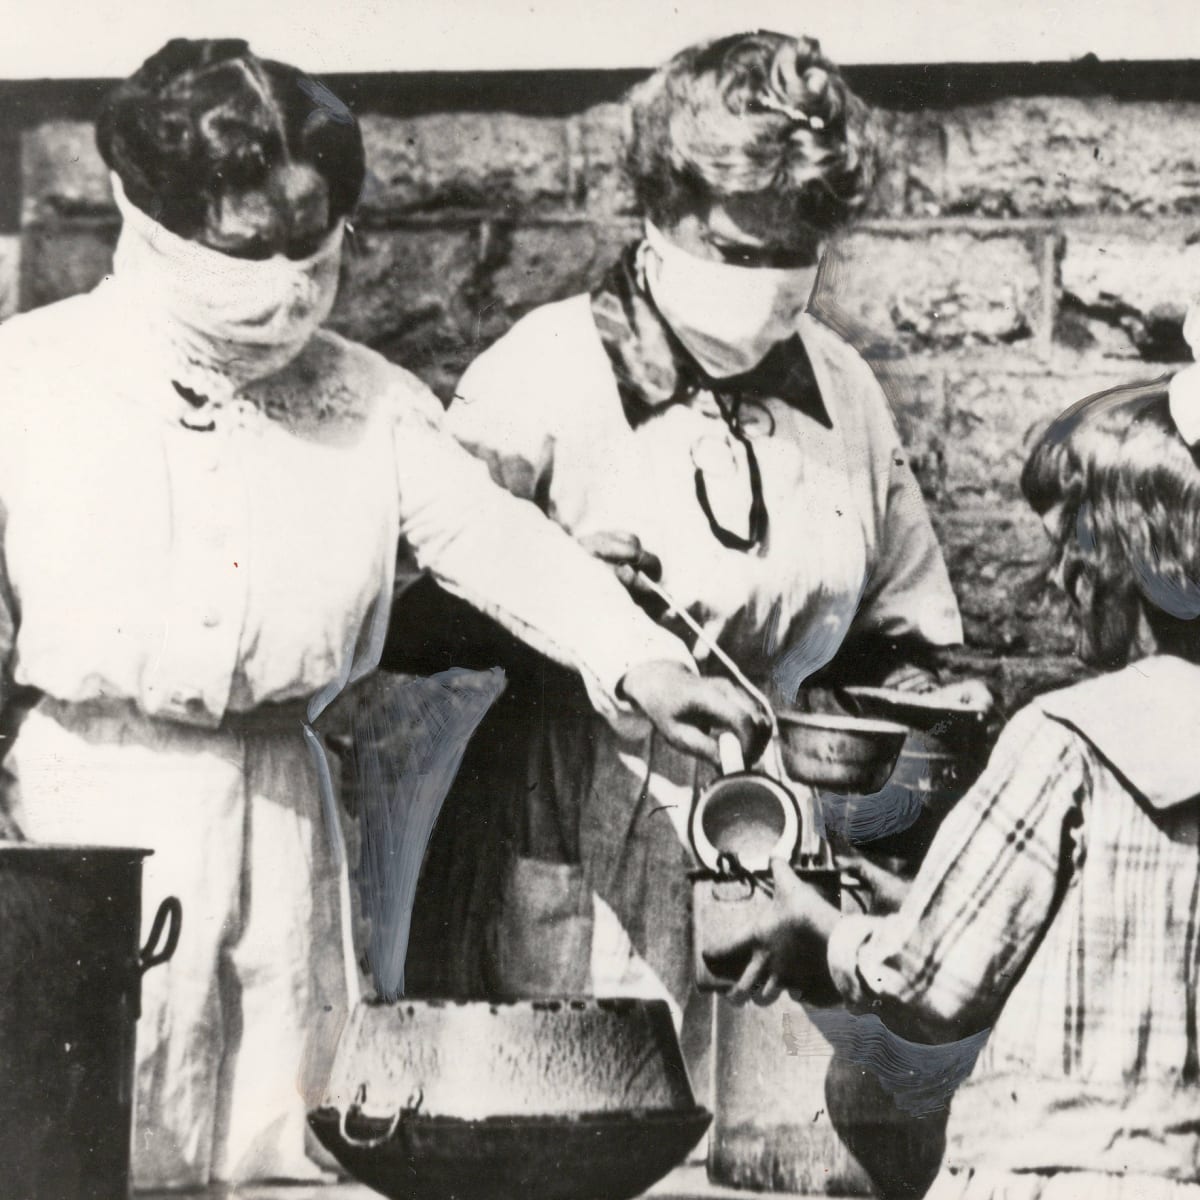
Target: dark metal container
point(71, 968)
point(556, 1099)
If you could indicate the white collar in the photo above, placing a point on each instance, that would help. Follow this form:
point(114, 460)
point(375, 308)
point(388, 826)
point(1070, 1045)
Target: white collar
point(1144, 721)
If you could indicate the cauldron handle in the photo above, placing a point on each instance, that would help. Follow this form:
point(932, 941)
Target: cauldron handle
point(170, 913)
point(409, 1110)
point(373, 1142)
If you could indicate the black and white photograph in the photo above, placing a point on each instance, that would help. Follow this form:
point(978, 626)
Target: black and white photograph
point(600, 600)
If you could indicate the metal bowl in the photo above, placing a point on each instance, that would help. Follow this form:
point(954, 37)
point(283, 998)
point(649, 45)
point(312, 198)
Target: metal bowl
point(572, 1099)
point(847, 755)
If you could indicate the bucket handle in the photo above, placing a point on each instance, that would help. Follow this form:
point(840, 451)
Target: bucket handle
point(170, 915)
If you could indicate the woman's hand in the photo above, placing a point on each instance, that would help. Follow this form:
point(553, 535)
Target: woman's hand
point(629, 560)
point(787, 944)
point(690, 711)
point(910, 678)
point(968, 693)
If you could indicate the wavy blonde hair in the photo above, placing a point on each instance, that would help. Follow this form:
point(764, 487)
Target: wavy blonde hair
point(751, 114)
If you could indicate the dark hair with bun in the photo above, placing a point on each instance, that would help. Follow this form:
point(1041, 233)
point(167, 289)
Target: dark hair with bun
point(751, 114)
point(1127, 534)
point(204, 116)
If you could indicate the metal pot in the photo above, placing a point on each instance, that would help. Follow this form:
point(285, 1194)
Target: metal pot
point(72, 968)
point(567, 1099)
point(744, 814)
point(839, 753)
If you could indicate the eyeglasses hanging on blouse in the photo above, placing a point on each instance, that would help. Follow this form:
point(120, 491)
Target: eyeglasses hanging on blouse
point(741, 448)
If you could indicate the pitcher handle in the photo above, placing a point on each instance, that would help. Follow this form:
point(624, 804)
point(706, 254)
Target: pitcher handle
point(170, 915)
point(730, 751)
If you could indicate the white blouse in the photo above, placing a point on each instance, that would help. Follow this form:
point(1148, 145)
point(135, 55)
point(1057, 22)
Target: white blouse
point(204, 572)
point(850, 545)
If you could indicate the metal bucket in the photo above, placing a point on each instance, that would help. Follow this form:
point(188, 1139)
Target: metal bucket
point(771, 1129)
point(794, 1114)
point(70, 926)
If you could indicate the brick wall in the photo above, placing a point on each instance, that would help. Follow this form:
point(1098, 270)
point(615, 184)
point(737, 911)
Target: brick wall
point(1033, 239)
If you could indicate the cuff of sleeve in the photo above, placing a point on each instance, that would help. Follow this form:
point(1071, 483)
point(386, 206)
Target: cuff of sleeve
point(849, 936)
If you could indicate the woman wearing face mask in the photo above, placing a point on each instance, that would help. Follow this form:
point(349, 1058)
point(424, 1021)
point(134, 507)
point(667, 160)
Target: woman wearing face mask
point(203, 497)
point(690, 417)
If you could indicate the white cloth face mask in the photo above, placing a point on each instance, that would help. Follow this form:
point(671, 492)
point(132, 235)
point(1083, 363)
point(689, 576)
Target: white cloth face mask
point(728, 317)
point(224, 321)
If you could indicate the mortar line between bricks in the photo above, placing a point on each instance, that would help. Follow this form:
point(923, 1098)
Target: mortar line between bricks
point(1004, 360)
point(574, 164)
point(1049, 244)
point(466, 218)
point(949, 223)
point(579, 215)
point(1150, 225)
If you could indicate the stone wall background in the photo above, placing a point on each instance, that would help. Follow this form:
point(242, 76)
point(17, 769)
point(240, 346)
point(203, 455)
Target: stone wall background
point(1034, 238)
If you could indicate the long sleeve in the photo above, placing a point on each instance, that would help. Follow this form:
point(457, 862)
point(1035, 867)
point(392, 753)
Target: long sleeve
point(908, 595)
point(505, 557)
point(8, 621)
point(944, 964)
point(504, 414)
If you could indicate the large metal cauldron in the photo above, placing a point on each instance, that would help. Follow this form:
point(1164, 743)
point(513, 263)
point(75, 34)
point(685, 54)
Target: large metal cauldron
point(70, 985)
point(567, 1099)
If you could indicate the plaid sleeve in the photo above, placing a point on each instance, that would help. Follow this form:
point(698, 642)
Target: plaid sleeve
point(986, 892)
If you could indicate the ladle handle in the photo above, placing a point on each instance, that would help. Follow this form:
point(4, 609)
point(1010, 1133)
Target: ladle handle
point(710, 644)
point(730, 751)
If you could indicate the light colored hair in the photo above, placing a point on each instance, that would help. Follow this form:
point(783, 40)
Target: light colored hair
point(751, 114)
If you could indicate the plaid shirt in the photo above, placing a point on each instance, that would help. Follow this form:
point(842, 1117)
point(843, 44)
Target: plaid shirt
point(1059, 909)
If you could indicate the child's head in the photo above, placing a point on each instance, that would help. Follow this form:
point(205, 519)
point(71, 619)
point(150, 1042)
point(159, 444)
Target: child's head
point(1119, 492)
